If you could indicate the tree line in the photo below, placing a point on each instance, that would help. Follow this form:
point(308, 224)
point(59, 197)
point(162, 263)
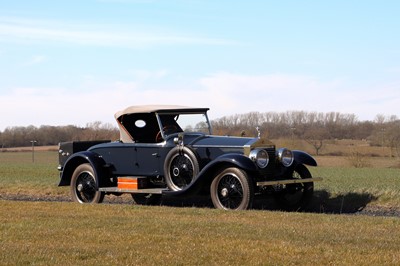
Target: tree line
point(52, 135)
point(315, 127)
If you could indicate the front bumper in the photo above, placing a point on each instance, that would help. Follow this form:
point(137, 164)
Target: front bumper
point(288, 181)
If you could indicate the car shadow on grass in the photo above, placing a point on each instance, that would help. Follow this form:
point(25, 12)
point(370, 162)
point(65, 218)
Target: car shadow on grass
point(322, 202)
point(325, 202)
point(348, 203)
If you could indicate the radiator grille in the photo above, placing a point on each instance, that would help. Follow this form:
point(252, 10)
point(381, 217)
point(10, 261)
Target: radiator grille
point(269, 170)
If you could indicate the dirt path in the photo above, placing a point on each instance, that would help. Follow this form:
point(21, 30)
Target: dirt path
point(199, 202)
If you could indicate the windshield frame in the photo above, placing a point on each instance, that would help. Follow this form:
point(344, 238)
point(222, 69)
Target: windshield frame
point(159, 116)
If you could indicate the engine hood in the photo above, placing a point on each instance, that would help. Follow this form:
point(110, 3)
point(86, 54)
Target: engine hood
point(247, 144)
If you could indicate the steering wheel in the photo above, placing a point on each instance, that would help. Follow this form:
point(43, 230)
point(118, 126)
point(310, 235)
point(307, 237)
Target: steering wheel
point(168, 129)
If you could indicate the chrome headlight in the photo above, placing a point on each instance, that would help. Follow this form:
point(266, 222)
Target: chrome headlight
point(285, 156)
point(260, 157)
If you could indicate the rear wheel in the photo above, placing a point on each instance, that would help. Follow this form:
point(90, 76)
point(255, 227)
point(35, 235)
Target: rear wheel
point(295, 197)
point(84, 187)
point(231, 189)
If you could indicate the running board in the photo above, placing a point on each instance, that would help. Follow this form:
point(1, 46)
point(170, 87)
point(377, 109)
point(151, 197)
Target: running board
point(142, 191)
point(288, 181)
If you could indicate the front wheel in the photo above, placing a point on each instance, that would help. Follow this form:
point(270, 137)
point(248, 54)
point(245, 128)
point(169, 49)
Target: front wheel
point(231, 189)
point(84, 188)
point(295, 197)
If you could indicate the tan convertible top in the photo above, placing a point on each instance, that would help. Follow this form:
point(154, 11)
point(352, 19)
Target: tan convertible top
point(150, 109)
point(125, 135)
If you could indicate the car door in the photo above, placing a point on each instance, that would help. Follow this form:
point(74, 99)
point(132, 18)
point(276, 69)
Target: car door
point(147, 161)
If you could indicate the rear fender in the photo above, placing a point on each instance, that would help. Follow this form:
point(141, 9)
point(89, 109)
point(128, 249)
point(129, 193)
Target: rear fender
point(209, 171)
point(79, 158)
point(301, 157)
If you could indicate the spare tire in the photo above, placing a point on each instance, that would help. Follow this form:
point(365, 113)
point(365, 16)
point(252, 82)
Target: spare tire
point(180, 168)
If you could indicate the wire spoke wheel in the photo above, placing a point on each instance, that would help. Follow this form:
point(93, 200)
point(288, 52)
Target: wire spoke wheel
point(181, 167)
point(231, 190)
point(84, 188)
point(181, 170)
point(295, 197)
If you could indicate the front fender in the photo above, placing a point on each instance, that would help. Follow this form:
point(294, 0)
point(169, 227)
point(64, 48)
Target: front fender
point(79, 158)
point(235, 159)
point(301, 157)
point(208, 172)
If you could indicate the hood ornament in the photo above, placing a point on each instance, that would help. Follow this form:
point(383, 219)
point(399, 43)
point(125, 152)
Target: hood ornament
point(258, 132)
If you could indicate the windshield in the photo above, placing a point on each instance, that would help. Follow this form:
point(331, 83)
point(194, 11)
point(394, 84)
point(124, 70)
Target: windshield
point(191, 122)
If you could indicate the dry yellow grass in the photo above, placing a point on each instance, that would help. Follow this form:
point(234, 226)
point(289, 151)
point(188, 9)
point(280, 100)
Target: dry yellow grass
point(29, 148)
point(337, 147)
point(54, 233)
point(344, 161)
point(72, 234)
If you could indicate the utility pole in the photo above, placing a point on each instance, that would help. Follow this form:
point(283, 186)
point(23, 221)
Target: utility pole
point(33, 150)
point(292, 129)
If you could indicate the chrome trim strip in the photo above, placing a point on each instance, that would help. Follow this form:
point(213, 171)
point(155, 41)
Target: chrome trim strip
point(216, 146)
point(288, 181)
point(209, 124)
point(143, 191)
point(160, 126)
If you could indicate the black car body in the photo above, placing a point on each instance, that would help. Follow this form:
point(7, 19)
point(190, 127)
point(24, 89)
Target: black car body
point(170, 151)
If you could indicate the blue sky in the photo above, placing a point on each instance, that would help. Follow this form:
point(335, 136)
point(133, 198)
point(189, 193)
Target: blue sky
point(74, 62)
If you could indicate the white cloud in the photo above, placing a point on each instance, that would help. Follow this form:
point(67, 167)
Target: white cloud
point(395, 70)
point(276, 92)
point(225, 93)
point(127, 1)
point(34, 60)
point(80, 33)
point(232, 93)
point(146, 74)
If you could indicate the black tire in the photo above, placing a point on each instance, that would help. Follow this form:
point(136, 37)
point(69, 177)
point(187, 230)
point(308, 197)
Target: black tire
point(180, 168)
point(84, 187)
point(296, 197)
point(146, 199)
point(231, 189)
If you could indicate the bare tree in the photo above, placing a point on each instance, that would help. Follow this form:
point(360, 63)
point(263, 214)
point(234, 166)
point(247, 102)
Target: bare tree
point(315, 127)
point(392, 137)
point(316, 137)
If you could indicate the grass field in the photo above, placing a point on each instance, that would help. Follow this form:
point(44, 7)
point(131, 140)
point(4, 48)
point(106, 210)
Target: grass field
point(42, 233)
point(344, 188)
point(49, 233)
point(19, 175)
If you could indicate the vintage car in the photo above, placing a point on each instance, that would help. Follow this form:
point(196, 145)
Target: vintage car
point(169, 151)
